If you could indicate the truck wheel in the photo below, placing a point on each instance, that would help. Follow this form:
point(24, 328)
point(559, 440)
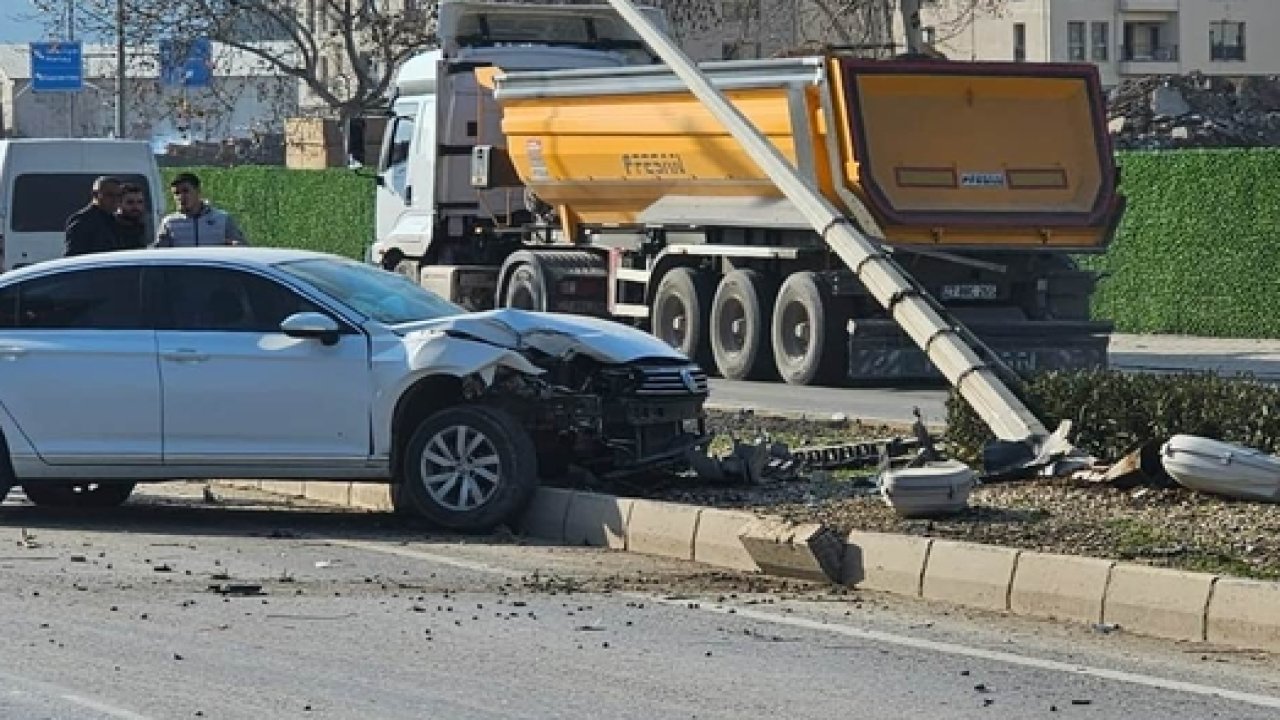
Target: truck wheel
point(78, 495)
point(681, 313)
point(469, 468)
point(740, 320)
point(806, 346)
point(526, 288)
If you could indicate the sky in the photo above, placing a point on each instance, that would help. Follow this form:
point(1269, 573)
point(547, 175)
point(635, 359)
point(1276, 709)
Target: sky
point(16, 23)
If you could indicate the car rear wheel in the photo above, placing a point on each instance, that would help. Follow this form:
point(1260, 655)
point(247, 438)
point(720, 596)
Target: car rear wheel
point(78, 494)
point(469, 468)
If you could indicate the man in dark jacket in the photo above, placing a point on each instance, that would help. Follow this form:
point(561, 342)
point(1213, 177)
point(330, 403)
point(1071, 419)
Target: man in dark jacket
point(131, 218)
point(93, 228)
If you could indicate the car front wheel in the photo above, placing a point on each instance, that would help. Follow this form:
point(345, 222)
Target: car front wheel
point(469, 468)
point(78, 495)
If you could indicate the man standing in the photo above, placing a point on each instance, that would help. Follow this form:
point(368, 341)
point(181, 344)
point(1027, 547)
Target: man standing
point(197, 222)
point(131, 218)
point(92, 229)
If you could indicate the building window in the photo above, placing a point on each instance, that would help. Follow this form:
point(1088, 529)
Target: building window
point(929, 35)
point(1101, 41)
point(1075, 41)
point(1019, 42)
point(1226, 40)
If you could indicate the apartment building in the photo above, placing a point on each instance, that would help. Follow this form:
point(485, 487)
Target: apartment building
point(1125, 38)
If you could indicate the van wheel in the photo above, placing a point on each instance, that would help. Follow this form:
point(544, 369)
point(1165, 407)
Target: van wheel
point(740, 321)
point(469, 468)
point(806, 341)
point(78, 495)
point(681, 313)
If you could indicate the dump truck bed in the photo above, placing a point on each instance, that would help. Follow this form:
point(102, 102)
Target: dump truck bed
point(959, 155)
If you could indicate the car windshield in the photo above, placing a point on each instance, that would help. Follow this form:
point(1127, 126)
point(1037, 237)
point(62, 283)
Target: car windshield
point(383, 296)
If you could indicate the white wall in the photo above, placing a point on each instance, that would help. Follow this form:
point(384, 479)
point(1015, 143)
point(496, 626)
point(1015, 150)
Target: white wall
point(1262, 27)
point(990, 36)
point(238, 106)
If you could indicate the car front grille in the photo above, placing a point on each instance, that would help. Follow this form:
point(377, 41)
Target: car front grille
point(672, 381)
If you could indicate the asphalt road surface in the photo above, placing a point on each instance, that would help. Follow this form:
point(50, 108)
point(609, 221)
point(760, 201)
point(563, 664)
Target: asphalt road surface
point(1137, 353)
point(111, 615)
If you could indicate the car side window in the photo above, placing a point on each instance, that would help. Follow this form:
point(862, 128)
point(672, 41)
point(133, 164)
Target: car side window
point(222, 300)
point(96, 299)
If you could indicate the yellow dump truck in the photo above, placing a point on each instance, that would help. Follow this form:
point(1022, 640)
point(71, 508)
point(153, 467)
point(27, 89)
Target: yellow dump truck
point(611, 190)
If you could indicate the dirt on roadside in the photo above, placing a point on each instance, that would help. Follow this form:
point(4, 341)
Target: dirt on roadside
point(1173, 528)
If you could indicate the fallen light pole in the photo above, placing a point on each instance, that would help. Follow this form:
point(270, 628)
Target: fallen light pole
point(1025, 442)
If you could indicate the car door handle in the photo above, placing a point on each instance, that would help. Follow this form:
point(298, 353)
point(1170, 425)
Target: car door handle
point(185, 355)
point(12, 352)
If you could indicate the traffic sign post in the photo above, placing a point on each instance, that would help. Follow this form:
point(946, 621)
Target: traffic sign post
point(57, 67)
point(186, 64)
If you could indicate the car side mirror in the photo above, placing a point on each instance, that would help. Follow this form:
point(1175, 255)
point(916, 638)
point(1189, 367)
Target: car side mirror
point(311, 325)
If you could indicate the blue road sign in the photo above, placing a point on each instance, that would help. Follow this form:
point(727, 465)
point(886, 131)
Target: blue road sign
point(56, 67)
point(189, 64)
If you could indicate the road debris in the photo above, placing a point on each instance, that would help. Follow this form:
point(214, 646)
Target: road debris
point(752, 463)
point(1220, 468)
point(240, 589)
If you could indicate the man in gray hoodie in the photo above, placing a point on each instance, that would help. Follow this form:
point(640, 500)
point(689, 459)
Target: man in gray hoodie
point(197, 222)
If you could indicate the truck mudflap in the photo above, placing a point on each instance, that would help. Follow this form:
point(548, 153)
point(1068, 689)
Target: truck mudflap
point(879, 350)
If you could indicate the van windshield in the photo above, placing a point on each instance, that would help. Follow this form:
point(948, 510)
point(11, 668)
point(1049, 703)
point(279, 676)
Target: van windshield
point(42, 202)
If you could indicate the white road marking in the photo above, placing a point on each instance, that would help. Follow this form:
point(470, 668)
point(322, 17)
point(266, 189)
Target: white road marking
point(1267, 701)
point(54, 691)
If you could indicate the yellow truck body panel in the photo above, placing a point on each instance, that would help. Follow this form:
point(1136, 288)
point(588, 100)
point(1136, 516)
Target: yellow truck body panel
point(975, 155)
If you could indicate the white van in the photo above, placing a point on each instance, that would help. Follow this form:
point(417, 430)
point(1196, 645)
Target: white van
point(45, 181)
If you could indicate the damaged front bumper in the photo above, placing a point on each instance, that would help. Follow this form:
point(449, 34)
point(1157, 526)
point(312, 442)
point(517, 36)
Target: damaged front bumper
point(613, 434)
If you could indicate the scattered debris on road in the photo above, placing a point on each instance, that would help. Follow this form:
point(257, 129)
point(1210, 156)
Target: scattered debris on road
point(238, 589)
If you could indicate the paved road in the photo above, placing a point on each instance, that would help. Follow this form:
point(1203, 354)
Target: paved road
point(110, 616)
point(1139, 353)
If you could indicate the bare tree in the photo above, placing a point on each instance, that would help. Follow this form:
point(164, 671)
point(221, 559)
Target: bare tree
point(344, 52)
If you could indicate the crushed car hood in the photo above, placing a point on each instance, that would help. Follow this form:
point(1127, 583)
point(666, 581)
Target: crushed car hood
point(556, 334)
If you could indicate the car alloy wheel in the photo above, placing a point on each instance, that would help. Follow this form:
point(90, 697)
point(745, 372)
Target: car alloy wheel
point(461, 468)
point(468, 468)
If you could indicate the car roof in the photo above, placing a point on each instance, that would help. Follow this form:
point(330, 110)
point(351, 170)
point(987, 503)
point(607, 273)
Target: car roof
point(236, 255)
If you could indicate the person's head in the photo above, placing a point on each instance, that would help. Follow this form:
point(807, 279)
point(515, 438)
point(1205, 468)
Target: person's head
point(186, 192)
point(133, 203)
point(106, 193)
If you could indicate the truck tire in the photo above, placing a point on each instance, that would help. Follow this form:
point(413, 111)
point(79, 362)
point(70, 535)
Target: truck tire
point(805, 332)
point(78, 494)
point(526, 288)
point(469, 468)
point(680, 314)
point(740, 321)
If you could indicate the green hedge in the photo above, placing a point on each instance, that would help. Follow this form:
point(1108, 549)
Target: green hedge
point(1198, 252)
point(326, 210)
point(1113, 413)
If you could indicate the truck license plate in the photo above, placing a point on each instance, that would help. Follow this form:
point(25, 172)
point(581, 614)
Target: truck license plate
point(969, 291)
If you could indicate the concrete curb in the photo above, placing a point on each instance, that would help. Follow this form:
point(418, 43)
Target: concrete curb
point(1157, 602)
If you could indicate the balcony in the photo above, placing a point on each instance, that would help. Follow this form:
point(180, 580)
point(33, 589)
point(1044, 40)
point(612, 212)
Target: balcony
point(1164, 6)
point(1149, 60)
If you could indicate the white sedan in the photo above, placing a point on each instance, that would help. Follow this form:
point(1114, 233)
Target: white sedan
point(150, 365)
